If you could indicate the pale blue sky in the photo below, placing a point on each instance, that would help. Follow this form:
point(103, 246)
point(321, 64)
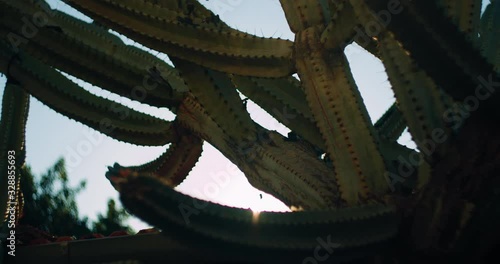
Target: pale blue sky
point(51, 135)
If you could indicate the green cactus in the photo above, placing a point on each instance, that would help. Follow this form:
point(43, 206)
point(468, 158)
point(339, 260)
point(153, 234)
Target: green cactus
point(380, 201)
point(15, 107)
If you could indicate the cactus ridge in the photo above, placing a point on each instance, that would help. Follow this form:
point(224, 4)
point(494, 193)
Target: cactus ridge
point(190, 8)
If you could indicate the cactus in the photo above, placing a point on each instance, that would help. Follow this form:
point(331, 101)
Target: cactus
point(368, 192)
point(15, 107)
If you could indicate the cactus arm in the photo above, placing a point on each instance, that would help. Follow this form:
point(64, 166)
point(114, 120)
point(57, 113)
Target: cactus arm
point(223, 50)
point(217, 94)
point(345, 28)
point(404, 167)
point(284, 100)
point(344, 123)
point(278, 174)
point(390, 127)
point(391, 124)
point(135, 58)
point(193, 117)
point(429, 36)
point(190, 9)
point(264, 163)
point(86, 51)
point(302, 14)
point(287, 90)
point(108, 117)
point(490, 34)
point(465, 14)
point(287, 94)
point(15, 106)
point(175, 164)
point(341, 29)
point(156, 202)
point(418, 98)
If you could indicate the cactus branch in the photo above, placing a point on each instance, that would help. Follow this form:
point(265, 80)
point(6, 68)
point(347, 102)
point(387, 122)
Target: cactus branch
point(86, 51)
point(15, 107)
point(175, 164)
point(217, 94)
point(413, 90)
point(302, 14)
point(225, 50)
point(108, 117)
point(156, 202)
point(283, 99)
point(429, 36)
point(334, 99)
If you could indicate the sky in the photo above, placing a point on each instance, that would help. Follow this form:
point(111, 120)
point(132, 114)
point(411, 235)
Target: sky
point(51, 135)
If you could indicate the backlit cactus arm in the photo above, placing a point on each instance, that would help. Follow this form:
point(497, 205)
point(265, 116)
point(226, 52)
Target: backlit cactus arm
point(69, 99)
point(342, 119)
point(157, 203)
point(175, 164)
point(225, 50)
point(465, 14)
point(92, 54)
point(429, 37)
point(283, 99)
point(190, 10)
point(217, 94)
point(270, 163)
point(302, 14)
point(418, 97)
point(342, 27)
point(402, 175)
point(15, 107)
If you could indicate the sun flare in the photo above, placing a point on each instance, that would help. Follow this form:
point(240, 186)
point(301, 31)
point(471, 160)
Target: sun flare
point(255, 216)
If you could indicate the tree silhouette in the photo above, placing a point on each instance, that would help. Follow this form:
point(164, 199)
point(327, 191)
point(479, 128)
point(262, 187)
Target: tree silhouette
point(112, 221)
point(50, 205)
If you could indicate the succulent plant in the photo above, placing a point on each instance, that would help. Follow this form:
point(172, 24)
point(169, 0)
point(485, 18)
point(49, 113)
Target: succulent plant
point(367, 195)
